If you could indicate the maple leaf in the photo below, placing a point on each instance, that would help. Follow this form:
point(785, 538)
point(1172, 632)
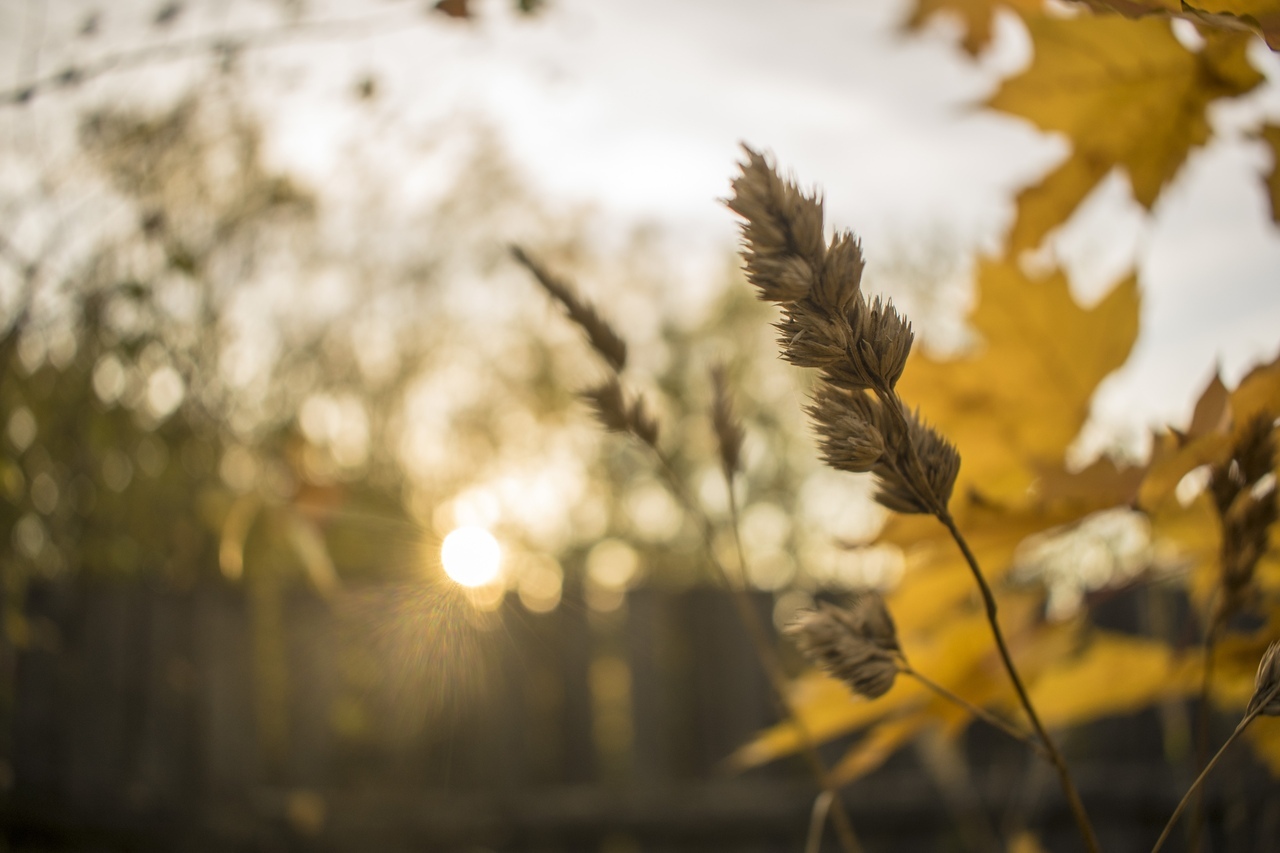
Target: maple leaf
point(1126, 94)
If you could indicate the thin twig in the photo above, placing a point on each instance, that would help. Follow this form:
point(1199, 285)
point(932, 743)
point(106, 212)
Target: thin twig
point(1186, 798)
point(978, 711)
point(1204, 718)
point(231, 41)
point(1054, 756)
point(890, 402)
point(821, 806)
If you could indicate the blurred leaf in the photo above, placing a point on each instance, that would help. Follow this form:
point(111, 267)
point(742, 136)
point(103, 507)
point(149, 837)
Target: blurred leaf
point(1049, 203)
point(1025, 842)
point(1125, 94)
point(1216, 424)
point(976, 17)
point(454, 8)
point(1258, 392)
point(1264, 736)
point(1213, 409)
point(1102, 483)
point(879, 743)
point(91, 24)
point(938, 579)
point(308, 543)
point(1259, 16)
point(1188, 526)
point(235, 533)
point(167, 15)
point(1115, 674)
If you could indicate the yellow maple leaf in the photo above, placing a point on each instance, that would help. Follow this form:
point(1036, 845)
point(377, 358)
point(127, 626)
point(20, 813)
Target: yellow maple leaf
point(1126, 94)
point(1014, 405)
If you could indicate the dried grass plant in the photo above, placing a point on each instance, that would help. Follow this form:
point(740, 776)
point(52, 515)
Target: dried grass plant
point(859, 346)
point(623, 412)
point(860, 349)
point(1244, 500)
point(1265, 700)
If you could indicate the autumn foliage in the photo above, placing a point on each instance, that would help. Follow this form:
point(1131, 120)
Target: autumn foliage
point(1128, 95)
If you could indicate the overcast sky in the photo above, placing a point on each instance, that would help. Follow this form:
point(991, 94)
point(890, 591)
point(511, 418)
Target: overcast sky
point(638, 108)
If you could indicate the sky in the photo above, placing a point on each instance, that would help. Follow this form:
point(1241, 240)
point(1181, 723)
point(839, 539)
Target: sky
point(637, 110)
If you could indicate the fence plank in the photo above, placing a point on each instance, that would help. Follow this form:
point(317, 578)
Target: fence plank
point(223, 652)
point(654, 709)
point(167, 759)
point(311, 646)
point(135, 704)
point(575, 650)
point(732, 701)
point(39, 719)
point(111, 655)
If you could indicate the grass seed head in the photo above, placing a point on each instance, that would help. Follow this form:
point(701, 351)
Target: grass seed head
point(839, 287)
point(727, 428)
point(1266, 684)
point(604, 340)
point(901, 486)
point(884, 342)
point(859, 345)
point(616, 414)
point(783, 233)
point(856, 644)
point(809, 338)
point(848, 426)
point(938, 457)
point(1246, 505)
point(610, 406)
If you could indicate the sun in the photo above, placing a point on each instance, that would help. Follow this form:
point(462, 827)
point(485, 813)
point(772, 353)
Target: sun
point(471, 556)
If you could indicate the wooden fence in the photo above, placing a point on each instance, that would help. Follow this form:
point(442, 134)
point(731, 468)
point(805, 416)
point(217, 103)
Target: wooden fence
point(396, 719)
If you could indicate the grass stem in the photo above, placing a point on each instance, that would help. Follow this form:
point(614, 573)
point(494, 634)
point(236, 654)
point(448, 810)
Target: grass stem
point(1195, 786)
point(1055, 757)
point(978, 711)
